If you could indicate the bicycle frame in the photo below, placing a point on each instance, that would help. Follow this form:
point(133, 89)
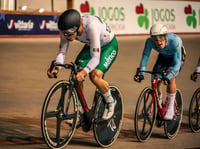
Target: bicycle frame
point(75, 85)
point(161, 110)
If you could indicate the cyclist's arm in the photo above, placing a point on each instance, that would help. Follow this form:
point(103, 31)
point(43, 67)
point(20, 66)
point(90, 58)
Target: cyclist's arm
point(63, 48)
point(177, 58)
point(95, 47)
point(145, 55)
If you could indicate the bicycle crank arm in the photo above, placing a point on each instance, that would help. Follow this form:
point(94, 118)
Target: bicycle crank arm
point(99, 120)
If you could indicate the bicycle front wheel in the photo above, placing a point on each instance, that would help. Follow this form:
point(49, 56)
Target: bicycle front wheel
point(194, 111)
point(145, 113)
point(172, 127)
point(59, 115)
point(106, 132)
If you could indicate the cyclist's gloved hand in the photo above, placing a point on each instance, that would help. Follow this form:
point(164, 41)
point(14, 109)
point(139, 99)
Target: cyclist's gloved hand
point(194, 76)
point(53, 73)
point(53, 70)
point(138, 78)
point(166, 81)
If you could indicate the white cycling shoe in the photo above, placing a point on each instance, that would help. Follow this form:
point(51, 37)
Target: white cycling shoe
point(169, 114)
point(109, 110)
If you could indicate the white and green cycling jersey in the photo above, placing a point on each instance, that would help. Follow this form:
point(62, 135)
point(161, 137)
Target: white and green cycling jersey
point(101, 46)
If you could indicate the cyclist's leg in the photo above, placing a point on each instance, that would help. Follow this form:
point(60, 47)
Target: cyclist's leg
point(81, 60)
point(171, 94)
point(108, 56)
point(159, 90)
point(96, 77)
point(157, 67)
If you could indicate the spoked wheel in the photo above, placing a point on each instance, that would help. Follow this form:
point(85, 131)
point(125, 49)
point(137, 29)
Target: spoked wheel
point(145, 113)
point(59, 115)
point(172, 127)
point(194, 111)
point(106, 132)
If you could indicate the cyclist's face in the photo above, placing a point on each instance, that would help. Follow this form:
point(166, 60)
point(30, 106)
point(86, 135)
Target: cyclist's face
point(69, 35)
point(159, 40)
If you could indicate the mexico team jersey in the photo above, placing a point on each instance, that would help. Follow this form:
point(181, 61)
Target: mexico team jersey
point(96, 34)
point(172, 50)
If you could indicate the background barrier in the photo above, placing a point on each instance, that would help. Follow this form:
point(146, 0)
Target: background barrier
point(130, 17)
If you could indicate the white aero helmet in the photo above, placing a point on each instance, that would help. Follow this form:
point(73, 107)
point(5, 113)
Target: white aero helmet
point(158, 29)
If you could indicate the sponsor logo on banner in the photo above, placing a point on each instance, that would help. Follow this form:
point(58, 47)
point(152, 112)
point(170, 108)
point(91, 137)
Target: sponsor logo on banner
point(150, 16)
point(191, 16)
point(20, 25)
point(143, 20)
point(50, 25)
point(115, 16)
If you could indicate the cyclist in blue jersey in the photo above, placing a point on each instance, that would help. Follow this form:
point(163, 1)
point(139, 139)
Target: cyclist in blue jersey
point(170, 47)
point(194, 75)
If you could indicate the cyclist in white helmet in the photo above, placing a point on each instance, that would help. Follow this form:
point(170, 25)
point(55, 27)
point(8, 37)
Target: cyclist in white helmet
point(96, 57)
point(171, 52)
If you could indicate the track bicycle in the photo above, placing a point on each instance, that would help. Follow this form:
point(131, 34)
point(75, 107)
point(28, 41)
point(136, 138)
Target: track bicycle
point(194, 111)
point(60, 112)
point(148, 110)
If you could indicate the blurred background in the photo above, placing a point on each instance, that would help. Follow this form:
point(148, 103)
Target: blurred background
point(36, 5)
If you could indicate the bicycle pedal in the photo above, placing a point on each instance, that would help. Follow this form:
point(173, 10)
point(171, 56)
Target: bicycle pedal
point(78, 126)
point(159, 122)
point(86, 127)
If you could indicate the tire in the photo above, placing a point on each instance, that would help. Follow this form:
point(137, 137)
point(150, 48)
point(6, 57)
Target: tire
point(194, 111)
point(106, 132)
point(172, 127)
point(57, 112)
point(145, 114)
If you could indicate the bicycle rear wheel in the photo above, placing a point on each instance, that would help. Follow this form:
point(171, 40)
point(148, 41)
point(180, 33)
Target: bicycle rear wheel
point(106, 132)
point(172, 127)
point(145, 113)
point(59, 115)
point(194, 112)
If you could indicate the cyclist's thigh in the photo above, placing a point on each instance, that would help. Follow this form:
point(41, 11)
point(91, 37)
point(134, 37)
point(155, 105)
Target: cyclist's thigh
point(83, 57)
point(158, 66)
point(108, 55)
point(162, 63)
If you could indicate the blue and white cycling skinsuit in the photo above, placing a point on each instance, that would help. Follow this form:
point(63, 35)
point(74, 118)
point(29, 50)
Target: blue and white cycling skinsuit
point(169, 57)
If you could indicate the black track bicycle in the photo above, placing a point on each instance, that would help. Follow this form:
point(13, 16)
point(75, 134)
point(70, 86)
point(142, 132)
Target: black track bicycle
point(60, 112)
point(194, 111)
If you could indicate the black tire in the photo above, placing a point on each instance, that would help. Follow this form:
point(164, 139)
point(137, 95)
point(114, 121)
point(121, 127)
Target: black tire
point(172, 127)
point(145, 114)
point(57, 111)
point(106, 132)
point(194, 111)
